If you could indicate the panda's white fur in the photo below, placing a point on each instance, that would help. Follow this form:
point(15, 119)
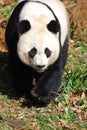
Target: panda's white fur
point(60, 11)
point(39, 36)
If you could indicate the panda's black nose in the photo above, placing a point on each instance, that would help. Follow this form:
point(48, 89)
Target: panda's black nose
point(40, 66)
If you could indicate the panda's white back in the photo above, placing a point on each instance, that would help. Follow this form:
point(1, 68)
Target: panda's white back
point(60, 11)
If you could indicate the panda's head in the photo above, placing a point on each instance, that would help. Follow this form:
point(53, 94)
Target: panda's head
point(38, 45)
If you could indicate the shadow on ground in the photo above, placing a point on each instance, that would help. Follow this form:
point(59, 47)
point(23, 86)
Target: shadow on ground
point(5, 79)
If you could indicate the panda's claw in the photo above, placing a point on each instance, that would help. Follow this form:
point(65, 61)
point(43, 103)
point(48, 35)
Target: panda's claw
point(34, 94)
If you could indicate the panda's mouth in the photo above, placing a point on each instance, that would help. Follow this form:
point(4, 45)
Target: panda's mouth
point(40, 68)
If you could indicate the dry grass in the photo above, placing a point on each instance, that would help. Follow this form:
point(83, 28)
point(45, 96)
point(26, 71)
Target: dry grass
point(78, 17)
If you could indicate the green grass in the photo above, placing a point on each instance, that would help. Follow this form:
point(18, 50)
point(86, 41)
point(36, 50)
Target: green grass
point(75, 77)
point(5, 11)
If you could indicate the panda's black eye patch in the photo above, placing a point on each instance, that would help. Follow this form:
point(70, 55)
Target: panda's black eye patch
point(53, 26)
point(47, 52)
point(24, 26)
point(32, 52)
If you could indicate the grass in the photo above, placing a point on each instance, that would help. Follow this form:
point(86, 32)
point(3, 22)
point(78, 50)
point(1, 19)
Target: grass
point(67, 112)
point(75, 77)
point(5, 11)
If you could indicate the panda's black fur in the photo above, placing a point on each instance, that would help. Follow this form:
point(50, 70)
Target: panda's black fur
point(47, 82)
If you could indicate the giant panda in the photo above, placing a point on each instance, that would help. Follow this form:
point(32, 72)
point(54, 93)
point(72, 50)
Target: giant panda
point(37, 35)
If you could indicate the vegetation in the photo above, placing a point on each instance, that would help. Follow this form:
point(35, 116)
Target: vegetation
point(69, 110)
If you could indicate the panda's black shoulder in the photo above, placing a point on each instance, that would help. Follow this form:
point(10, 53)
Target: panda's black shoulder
point(11, 27)
point(16, 11)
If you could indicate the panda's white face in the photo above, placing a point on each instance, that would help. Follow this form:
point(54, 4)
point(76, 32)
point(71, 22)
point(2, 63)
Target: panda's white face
point(38, 44)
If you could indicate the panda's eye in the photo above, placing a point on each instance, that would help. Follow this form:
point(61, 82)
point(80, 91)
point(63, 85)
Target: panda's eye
point(32, 52)
point(47, 52)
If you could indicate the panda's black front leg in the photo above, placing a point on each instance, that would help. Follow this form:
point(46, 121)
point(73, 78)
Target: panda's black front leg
point(47, 87)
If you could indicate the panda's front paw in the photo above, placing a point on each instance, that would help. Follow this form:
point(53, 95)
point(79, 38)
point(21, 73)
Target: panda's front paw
point(35, 93)
point(42, 98)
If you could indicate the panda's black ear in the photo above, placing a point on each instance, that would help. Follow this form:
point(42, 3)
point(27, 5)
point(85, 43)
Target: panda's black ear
point(53, 26)
point(23, 26)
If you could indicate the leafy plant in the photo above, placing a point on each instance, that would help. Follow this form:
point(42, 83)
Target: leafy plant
point(5, 11)
point(68, 114)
